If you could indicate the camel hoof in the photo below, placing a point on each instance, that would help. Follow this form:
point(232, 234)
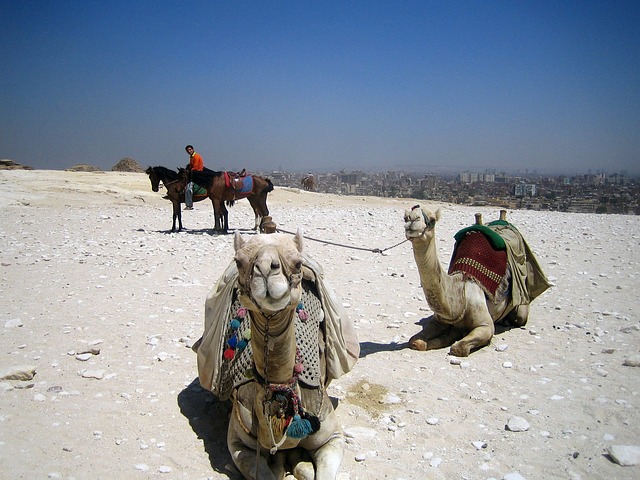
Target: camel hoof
point(418, 344)
point(460, 350)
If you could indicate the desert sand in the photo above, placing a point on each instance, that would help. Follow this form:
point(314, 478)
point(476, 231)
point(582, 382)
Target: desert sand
point(103, 303)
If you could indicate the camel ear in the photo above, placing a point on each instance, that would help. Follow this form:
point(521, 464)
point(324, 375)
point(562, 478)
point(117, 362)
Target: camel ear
point(299, 240)
point(238, 242)
point(438, 214)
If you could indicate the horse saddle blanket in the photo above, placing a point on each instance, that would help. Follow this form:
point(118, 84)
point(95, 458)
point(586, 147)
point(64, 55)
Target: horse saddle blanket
point(199, 190)
point(487, 253)
point(241, 185)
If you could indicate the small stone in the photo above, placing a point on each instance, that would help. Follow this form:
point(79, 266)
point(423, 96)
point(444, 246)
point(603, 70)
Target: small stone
point(632, 361)
point(164, 469)
point(83, 357)
point(143, 467)
point(433, 421)
point(361, 457)
point(97, 374)
point(507, 365)
point(435, 462)
point(38, 397)
point(625, 455)
point(517, 424)
point(21, 372)
point(15, 322)
point(455, 361)
point(479, 445)
point(513, 476)
point(502, 347)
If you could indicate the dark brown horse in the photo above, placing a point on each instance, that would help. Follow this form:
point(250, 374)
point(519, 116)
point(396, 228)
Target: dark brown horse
point(175, 183)
point(252, 187)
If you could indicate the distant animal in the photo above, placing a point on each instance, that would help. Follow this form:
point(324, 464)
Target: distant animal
point(228, 187)
point(493, 275)
point(175, 184)
point(309, 182)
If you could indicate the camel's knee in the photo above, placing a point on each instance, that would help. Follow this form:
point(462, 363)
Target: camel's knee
point(521, 316)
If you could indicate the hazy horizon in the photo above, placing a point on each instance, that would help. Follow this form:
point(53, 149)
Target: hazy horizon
point(301, 86)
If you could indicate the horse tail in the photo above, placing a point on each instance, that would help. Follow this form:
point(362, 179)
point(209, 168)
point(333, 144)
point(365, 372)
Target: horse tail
point(269, 187)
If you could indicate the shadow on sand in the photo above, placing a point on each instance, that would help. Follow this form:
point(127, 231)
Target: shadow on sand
point(209, 420)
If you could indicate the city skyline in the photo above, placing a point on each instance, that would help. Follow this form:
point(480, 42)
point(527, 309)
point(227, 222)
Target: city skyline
point(295, 86)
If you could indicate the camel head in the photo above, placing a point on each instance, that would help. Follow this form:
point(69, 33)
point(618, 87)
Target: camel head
point(270, 271)
point(420, 224)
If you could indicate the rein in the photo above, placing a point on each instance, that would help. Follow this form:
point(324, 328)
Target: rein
point(373, 250)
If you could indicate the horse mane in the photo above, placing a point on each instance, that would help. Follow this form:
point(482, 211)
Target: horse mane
point(206, 175)
point(163, 172)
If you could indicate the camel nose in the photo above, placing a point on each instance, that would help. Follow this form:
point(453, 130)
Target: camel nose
point(268, 267)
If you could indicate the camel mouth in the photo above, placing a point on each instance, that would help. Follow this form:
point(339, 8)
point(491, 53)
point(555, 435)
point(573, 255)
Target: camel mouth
point(272, 294)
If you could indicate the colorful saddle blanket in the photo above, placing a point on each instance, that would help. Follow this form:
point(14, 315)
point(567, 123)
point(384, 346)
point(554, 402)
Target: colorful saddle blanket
point(241, 185)
point(481, 257)
point(198, 190)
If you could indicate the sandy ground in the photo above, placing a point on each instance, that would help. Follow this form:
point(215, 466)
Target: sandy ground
point(104, 302)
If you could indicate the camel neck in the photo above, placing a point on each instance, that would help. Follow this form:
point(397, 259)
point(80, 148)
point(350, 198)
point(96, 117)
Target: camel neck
point(442, 291)
point(274, 345)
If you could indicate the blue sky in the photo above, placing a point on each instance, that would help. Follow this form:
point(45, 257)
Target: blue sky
point(296, 85)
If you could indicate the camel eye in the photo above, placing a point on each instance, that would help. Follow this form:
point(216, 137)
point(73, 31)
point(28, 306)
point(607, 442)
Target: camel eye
point(298, 265)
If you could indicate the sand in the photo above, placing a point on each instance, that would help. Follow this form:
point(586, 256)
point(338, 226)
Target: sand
point(103, 303)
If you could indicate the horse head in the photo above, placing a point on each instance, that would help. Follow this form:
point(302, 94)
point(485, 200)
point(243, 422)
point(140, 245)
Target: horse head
point(154, 178)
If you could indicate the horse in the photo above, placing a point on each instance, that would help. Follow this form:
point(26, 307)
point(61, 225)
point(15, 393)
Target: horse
point(175, 184)
point(228, 187)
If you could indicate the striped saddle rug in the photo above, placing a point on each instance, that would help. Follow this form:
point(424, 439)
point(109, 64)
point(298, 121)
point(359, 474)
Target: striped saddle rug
point(477, 257)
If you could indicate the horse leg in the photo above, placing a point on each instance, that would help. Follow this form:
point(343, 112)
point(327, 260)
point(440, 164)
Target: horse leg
point(176, 215)
point(256, 211)
point(224, 217)
point(217, 215)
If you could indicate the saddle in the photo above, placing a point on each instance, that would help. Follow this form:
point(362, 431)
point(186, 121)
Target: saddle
point(489, 253)
point(482, 256)
point(239, 182)
point(238, 352)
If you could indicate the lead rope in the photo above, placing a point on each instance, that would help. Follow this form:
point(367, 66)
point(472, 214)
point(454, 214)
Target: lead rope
point(373, 250)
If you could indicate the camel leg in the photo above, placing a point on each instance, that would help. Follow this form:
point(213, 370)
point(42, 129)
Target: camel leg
point(301, 465)
point(520, 315)
point(245, 457)
point(431, 330)
point(328, 458)
point(478, 337)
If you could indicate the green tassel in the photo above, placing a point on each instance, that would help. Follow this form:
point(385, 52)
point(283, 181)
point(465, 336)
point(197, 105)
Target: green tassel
point(299, 427)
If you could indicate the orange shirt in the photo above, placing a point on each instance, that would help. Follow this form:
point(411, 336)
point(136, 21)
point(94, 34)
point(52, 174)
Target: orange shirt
point(196, 162)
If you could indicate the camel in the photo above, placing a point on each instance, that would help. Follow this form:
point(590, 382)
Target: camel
point(464, 310)
point(309, 182)
point(289, 332)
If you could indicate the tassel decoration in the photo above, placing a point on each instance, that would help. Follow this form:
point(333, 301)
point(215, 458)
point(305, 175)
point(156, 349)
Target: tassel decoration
point(299, 427)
